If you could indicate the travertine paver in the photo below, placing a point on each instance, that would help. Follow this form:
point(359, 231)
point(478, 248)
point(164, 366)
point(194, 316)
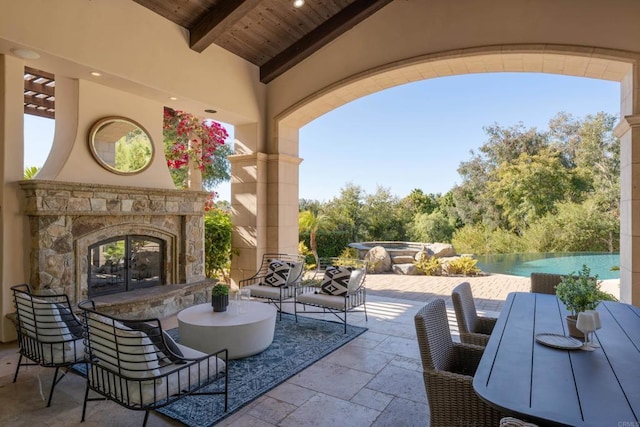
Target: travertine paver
point(489, 292)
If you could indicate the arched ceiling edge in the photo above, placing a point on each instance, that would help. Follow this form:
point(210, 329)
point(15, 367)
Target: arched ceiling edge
point(579, 61)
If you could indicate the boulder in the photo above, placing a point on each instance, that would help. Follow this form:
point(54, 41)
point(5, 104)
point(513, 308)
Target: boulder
point(440, 250)
point(406, 269)
point(378, 260)
point(402, 259)
point(422, 254)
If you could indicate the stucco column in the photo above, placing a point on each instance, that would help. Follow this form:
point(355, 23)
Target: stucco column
point(248, 201)
point(628, 130)
point(14, 246)
point(282, 205)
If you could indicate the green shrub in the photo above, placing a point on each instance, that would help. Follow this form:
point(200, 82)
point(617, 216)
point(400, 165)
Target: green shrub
point(217, 244)
point(329, 243)
point(429, 266)
point(463, 265)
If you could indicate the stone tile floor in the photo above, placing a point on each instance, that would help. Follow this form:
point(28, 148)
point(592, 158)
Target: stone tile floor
point(375, 380)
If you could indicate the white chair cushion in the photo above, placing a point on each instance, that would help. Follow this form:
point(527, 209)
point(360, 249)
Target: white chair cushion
point(355, 280)
point(48, 328)
point(324, 300)
point(147, 392)
point(261, 291)
point(133, 349)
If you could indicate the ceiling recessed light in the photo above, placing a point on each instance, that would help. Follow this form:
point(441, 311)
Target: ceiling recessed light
point(25, 53)
point(298, 3)
point(95, 74)
point(210, 110)
point(173, 98)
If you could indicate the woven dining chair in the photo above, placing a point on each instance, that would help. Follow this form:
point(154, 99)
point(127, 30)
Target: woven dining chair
point(448, 370)
point(545, 283)
point(473, 329)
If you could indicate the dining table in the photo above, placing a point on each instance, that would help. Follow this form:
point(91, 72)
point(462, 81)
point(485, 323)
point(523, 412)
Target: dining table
point(548, 384)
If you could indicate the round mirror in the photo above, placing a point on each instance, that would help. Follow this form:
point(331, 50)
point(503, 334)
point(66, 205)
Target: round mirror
point(121, 145)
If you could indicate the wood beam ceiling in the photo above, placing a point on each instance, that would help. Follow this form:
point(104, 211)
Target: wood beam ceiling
point(217, 21)
point(325, 33)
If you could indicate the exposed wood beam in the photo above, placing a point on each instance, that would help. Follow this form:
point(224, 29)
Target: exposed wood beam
point(41, 102)
point(331, 29)
point(217, 21)
point(29, 85)
point(40, 113)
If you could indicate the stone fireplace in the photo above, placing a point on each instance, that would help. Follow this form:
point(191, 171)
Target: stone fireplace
point(82, 233)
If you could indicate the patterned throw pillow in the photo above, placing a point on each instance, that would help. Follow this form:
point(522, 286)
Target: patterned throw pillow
point(277, 274)
point(335, 281)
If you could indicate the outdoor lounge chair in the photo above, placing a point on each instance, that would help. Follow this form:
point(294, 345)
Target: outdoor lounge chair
point(473, 329)
point(137, 365)
point(341, 291)
point(448, 370)
point(277, 280)
point(48, 332)
point(545, 283)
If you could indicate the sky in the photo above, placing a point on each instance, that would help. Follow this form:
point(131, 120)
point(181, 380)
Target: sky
point(412, 136)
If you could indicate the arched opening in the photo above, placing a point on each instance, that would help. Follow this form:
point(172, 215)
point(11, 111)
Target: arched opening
point(566, 60)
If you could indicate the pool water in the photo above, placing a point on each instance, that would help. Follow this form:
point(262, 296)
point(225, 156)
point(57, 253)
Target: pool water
point(558, 263)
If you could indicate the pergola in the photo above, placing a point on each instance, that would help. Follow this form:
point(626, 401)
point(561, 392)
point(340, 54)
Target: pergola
point(268, 69)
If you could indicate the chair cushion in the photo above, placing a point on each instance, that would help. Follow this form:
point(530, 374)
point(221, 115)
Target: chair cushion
point(336, 281)
point(277, 274)
point(120, 348)
point(160, 339)
point(355, 280)
point(322, 300)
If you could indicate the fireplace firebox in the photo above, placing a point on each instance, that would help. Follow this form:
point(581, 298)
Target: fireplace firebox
point(125, 263)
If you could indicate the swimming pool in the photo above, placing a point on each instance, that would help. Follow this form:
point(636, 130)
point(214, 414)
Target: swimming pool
point(558, 263)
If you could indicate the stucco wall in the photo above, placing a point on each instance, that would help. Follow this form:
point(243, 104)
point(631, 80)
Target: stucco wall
point(137, 51)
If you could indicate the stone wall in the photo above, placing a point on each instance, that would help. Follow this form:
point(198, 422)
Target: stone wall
point(65, 218)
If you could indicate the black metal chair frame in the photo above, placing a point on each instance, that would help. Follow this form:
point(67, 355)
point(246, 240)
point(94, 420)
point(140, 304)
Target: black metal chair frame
point(40, 336)
point(287, 292)
point(116, 376)
point(354, 301)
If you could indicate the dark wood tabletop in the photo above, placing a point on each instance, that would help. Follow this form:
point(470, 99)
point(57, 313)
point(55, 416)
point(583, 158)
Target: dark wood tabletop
point(550, 386)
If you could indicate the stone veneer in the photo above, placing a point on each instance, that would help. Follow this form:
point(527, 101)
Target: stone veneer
point(65, 218)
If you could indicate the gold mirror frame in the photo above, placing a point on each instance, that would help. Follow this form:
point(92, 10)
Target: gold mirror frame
point(110, 137)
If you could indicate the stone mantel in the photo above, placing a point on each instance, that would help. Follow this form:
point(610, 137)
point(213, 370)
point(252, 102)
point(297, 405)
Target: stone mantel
point(71, 198)
point(65, 218)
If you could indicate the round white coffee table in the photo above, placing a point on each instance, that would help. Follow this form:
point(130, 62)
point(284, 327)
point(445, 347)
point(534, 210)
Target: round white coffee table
point(244, 330)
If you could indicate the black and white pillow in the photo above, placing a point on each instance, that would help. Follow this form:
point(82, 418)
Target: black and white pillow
point(160, 338)
point(277, 274)
point(73, 323)
point(335, 281)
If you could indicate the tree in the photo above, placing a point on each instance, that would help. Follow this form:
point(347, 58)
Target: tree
point(528, 187)
point(384, 218)
point(346, 212)
point(30, 172)
point(431, 227)
point(313, 221)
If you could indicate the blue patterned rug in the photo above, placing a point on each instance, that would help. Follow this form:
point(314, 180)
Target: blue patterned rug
point(294, 347)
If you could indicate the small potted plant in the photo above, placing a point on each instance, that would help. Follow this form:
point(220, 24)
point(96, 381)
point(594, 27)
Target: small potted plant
point(580, 292)
point(220, 297)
